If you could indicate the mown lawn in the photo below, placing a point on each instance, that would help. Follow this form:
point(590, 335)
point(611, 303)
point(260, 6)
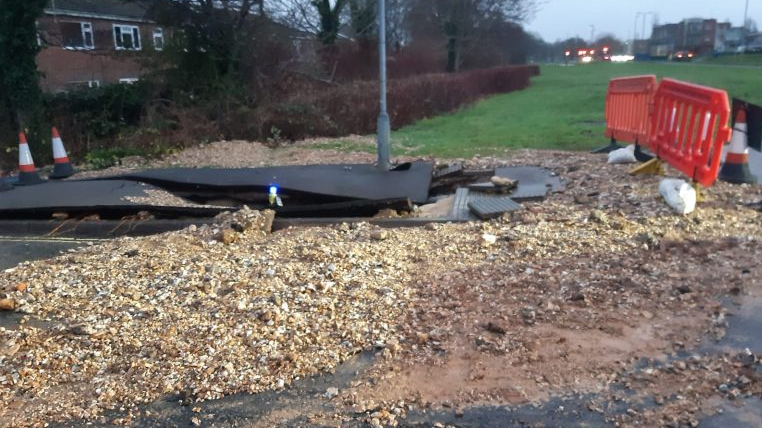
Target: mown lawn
point(563, 109)
point(751, 59)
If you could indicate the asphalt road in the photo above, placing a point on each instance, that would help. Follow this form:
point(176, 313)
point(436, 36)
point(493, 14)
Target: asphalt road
point(14, 250)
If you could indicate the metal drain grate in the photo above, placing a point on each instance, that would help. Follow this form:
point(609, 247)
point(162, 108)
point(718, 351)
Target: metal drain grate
point(460, 209)
point(448, 171)
point(486, 207)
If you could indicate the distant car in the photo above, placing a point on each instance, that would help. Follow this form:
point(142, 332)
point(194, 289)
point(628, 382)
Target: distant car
point(683, 56)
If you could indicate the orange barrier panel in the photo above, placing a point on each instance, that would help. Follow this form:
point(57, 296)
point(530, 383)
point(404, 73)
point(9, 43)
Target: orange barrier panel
point(628, 106)
point(688, 128)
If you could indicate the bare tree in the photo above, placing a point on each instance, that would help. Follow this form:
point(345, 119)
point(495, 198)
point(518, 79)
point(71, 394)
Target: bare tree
point(214, 42)
point(610, 41)
point(297, 14)
point(462, 23)
point(363, 21)
point(324, 18)
point(330, 19)
point(396, 33)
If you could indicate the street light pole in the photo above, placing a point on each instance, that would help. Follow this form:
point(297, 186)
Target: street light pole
point(743, 32)
point(383, 126)
point(635, 32)
point(646, 15)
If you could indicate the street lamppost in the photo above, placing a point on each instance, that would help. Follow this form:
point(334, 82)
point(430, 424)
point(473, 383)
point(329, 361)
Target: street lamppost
point(743, 31)
point(635, 32)
point(638, 15)
point(383, 126)
point(645, 15)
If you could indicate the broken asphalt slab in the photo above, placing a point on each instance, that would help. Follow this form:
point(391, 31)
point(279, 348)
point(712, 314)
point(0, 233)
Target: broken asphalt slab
point(338, 181)
point(106, 198)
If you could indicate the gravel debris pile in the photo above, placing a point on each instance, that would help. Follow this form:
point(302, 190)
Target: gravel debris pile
point(185, 313)
point(502, 312)
point(159, 197)
point(604, 269)
point(247, 154)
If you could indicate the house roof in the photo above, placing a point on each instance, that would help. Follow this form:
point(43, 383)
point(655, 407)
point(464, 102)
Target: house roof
point(109, 9)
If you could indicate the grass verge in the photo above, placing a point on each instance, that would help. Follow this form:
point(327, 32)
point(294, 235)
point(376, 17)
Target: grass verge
point(750, 59)
point(563, 109)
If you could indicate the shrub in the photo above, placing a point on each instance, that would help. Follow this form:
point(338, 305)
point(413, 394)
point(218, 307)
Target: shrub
point(95, 118)
point(353, 108)
point(351, 61)
point(102, 125)
point(104, 158)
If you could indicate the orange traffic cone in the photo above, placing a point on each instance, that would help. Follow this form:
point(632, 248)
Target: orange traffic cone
point(27, 172)
point(62, 167)
point(736, 167)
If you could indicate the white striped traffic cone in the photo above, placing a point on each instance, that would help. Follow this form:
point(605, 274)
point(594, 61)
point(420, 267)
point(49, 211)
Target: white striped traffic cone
point(736, 167)
point(62, 167)
point(27, 171)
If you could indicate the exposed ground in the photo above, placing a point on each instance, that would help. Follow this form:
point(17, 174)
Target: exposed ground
point(595, 290)
point(246, 154)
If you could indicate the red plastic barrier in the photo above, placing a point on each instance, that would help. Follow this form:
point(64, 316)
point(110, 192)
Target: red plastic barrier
point(628, 105)
point(688, 128)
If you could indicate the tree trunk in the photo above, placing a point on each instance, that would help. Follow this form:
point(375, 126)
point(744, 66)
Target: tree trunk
point(20, 120)
point(452, 55)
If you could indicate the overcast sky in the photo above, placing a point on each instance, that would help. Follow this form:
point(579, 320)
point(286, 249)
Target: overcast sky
point(561, 19)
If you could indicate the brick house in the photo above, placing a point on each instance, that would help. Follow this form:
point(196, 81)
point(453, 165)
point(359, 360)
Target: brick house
point(698, 35)
point(94, 42)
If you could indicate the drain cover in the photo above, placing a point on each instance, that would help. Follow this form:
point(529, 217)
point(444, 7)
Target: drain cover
point(486, 208)
point(530, 192)
point(449, 170)
point(460, 205)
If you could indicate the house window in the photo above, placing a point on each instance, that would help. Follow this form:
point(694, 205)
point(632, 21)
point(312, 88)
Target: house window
point(158, 39)
point(77, 35)
point(84, 84)
point(126, 37)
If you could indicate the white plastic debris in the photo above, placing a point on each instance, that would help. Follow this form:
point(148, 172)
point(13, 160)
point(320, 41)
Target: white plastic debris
point(678, 194)
point(488, 239)
point(623, 155)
